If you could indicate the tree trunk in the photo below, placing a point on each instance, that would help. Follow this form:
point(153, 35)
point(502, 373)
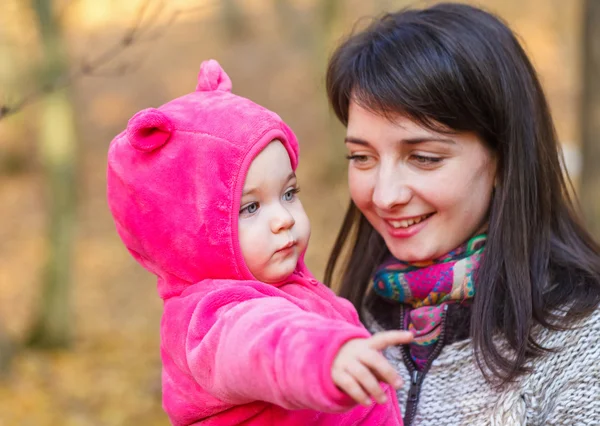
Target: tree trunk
point(57, 140)
point(233, 19)
point(329, 19)
point(292, 24)
point(590, 173)
point(8, 349)
point(15, 146)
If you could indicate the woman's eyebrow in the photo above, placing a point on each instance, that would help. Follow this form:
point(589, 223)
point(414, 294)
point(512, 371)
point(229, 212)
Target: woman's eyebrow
point(409, 141)
point(422, 139)
point(358, 141)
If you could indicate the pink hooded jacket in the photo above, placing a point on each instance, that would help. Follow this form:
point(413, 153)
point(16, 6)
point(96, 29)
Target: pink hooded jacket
point(235, 351)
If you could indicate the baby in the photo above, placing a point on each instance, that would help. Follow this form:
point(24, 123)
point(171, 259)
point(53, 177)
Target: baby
point(204, 195)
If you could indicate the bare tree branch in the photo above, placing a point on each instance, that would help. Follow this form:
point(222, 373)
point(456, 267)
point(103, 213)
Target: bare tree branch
point(145, 27)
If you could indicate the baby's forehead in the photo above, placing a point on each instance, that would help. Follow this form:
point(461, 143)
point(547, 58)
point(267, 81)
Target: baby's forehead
point(274, 154)
point(271, 168)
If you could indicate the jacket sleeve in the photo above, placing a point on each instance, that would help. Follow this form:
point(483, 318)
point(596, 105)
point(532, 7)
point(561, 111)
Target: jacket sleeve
point(250, 341)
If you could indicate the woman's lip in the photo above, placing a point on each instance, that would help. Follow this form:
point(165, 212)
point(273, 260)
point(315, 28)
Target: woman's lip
point(398, 219)
point(408, 231)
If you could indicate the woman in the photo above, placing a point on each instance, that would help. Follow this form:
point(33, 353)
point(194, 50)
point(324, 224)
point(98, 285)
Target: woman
point(460, 227)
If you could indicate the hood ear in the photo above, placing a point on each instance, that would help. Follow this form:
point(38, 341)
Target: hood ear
point(212, 77)
point(149, 129)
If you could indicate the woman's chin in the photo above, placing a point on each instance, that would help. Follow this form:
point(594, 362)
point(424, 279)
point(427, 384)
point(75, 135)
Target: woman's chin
point(412, 253)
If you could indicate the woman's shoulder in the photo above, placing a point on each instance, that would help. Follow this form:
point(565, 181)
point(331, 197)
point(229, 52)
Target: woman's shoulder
point(573, 353)
point(580, 336)
point(565, 383)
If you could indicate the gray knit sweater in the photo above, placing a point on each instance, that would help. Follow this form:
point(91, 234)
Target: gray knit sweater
point(564, 388)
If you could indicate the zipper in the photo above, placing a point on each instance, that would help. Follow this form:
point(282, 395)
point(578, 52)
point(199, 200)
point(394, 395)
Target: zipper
point(416, 376)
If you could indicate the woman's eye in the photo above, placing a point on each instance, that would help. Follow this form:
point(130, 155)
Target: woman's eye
point(290, 194)
point(426, 160)
point(249, 208)
point(357, 158)
point(361, 161)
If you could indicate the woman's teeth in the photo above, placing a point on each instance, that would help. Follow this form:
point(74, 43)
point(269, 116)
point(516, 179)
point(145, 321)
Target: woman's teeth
point(407, 222)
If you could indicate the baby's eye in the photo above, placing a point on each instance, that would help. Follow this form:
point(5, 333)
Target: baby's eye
point(290, 194)
point(249, 208)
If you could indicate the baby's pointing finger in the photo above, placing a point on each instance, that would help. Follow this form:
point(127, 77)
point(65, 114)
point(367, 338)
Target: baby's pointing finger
point(382, 340)
point(381, 367)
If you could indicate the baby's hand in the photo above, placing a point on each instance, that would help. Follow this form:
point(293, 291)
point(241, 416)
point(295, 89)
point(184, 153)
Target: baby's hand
point(359, 366)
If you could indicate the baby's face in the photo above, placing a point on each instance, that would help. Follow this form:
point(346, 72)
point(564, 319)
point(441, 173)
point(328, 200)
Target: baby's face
point(273, 226)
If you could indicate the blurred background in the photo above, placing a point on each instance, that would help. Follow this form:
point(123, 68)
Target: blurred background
point(79, 319)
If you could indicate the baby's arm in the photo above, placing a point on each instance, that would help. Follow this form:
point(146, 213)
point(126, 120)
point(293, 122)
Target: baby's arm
point(249, 341)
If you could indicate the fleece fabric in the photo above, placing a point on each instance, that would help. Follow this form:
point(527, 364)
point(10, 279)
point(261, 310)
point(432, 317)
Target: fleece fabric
point(235, 351)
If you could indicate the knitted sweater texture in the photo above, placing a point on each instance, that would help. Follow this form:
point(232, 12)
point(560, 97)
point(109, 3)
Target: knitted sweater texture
point(563, 389)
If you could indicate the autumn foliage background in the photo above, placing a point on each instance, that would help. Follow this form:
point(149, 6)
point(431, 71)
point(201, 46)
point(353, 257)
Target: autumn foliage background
point(275, 52)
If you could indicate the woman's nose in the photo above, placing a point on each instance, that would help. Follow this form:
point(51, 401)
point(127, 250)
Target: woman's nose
point(392, 188)
point(281, 220)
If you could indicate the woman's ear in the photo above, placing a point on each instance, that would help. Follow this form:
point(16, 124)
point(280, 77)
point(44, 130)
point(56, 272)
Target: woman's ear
point(149, 129)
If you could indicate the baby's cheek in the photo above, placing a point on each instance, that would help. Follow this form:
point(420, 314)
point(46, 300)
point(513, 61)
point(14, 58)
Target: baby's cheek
point(303, 226)
point(250, 244)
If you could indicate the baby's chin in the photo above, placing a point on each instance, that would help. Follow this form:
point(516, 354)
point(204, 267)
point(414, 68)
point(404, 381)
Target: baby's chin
point(280, 272)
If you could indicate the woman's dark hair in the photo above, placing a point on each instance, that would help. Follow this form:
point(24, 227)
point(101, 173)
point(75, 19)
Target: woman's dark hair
point(463, 68)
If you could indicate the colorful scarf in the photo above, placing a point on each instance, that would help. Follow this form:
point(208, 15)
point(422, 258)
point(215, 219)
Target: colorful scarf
point(426, 288)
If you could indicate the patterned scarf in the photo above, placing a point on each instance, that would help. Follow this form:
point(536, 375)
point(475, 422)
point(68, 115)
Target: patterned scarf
point(427, 287)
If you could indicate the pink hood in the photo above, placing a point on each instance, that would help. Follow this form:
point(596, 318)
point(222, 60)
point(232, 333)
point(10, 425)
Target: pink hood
point(234, 350)
point(175, 178)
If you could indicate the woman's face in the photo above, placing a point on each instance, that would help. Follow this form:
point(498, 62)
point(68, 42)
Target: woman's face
point(425, 192)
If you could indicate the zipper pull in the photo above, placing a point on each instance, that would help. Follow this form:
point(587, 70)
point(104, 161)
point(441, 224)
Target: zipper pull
point(415, 386)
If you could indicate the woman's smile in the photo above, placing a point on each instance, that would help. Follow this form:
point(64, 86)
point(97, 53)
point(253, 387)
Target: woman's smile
point(406, 227)
point(407, 221)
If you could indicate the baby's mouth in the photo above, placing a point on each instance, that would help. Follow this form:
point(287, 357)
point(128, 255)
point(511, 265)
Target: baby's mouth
point(290, 244)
